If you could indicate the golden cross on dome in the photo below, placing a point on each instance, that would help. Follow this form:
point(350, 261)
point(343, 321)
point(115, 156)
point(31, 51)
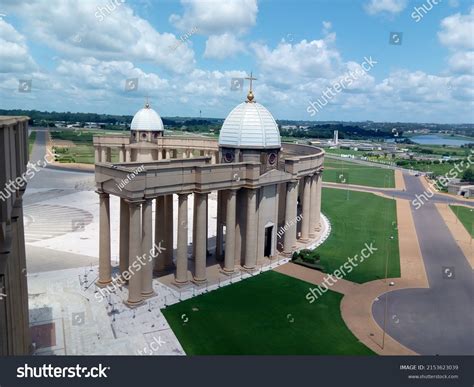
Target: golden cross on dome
point(250, 95)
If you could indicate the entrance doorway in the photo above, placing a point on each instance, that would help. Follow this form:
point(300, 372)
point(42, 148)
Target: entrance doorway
point(268, 241)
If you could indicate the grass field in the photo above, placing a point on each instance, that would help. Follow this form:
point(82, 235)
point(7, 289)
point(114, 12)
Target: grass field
point(31, 141)
point(264, 315)
point(466, 216)
point(358, 218)
point(83, 149)
point(359, 174)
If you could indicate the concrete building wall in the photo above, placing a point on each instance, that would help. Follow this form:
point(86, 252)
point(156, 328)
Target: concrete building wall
point(267, 217)
point(14, 321)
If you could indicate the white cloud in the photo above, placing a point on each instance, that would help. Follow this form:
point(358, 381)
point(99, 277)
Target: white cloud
point(90, 73)
point(215, 17)
point(388, 6)
point(14, 55)
point(458, 31)
point(457, 34)
point(291, 63)
point(223, 46)
point(87, 28)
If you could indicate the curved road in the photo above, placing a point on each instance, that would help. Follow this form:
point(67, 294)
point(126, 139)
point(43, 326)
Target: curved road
point(438, 320)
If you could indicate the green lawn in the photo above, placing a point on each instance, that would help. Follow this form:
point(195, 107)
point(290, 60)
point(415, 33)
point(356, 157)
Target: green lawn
point(31, 141)
point(264, 315)
point(466, 216)
point(358, 218)
point(83, 151)
point(359, 174)
point(339, 151)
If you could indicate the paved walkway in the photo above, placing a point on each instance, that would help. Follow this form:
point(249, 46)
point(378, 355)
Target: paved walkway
point(458, 231)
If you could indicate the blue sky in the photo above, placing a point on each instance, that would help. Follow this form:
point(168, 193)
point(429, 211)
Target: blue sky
point(78, 56)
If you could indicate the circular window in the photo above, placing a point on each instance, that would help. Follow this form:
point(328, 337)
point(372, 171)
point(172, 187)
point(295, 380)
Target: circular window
point(144, 135)
point(229, 156)
point(272, 158)
point(156, 135)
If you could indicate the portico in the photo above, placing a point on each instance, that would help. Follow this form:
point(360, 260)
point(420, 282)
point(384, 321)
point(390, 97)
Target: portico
point(257, 185)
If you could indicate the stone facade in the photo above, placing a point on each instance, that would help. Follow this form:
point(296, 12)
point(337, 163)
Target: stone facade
point(14, 321)
point(254, 202)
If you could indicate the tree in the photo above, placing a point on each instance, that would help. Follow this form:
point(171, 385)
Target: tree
point(468, 175)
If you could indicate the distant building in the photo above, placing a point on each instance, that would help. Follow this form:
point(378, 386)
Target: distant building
point(461, 189)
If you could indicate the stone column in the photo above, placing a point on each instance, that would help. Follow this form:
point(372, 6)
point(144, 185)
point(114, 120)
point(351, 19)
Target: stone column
point(182, 251)
point(105, 266)
point(121, 154)
point(135, 279)
point(124, 235)
point(108, 152)
point(195, 226)
point(319, 193)
point(97, 154)
point(167, 153)
point(313, 206)
point(214, 157)
point(219, 231)
point(290, 226)
point(160, 154)
point(160, 234)
point(306, 208)
point(200, 241)
point(229, 265)
point(128, 155)
point(251, 231)
point(103, 154)
point(169, 231)
point(147, 249)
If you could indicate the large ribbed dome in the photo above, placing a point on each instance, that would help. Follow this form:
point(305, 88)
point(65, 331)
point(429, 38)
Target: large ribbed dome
point(147, 119)
point(250, 125)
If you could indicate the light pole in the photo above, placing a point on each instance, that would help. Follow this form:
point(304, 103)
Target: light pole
point(385, 315)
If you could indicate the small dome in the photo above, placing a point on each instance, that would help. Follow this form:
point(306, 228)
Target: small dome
point(147, 119)
point(250, 125)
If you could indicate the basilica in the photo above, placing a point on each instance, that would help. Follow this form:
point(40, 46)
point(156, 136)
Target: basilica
point(268, 198)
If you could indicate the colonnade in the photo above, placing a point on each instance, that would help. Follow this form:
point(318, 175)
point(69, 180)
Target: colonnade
point(104, 154)
point(144, 252)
